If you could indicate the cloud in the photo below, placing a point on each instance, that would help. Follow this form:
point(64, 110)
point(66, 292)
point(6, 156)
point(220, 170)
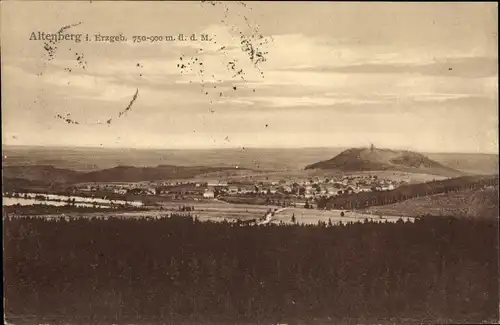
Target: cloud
point(436, 97)
point(346, 100)
point(467, 67)
point(290, 101)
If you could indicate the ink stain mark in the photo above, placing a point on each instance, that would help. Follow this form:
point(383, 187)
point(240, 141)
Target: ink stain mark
point(50, 48)
point(250, 44)
point(248, 39)
point(51, 45)
point(213, 3)
point(69, 26)
point(449, 69)
point(81, 60)
point(255, 54)
point(129, 106)
point(231, 66)
point(67, 119)
point(121, 113)
point(190, 65)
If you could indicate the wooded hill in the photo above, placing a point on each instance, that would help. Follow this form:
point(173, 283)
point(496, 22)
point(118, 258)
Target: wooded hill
point(50, 174)
point(376, 159)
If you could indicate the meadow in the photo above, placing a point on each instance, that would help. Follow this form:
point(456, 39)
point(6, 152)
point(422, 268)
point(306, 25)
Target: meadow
point(313, 216)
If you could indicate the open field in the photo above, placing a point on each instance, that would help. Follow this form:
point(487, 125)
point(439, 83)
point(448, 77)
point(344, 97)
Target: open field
point(220, 211)
point(312, 216)
point(209, 210)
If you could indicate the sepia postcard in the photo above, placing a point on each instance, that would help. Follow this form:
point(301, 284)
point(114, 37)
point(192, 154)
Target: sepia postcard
point(260, 162)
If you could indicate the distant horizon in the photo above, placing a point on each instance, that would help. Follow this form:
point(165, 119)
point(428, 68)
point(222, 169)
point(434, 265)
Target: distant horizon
point(238, 148)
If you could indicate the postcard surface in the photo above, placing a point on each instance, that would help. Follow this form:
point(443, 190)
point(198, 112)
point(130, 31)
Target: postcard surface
point(229, 162)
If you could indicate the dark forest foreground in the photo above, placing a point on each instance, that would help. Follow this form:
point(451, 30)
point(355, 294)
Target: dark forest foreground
point(181, 271)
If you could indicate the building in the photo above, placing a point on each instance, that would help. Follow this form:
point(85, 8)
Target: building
point(209, 194)
point(364, 189)
point(331, 190)
point(86, 188)
point(233, 190)
point(350, 190)
point(389, 187)
point(150, 191)
point(243, 189)
point(216, 183)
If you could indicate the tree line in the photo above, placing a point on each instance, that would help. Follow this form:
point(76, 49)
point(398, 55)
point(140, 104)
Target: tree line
point(181, 270)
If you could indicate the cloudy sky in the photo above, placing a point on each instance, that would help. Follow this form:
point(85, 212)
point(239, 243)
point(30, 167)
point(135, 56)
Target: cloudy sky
point(418, 76)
